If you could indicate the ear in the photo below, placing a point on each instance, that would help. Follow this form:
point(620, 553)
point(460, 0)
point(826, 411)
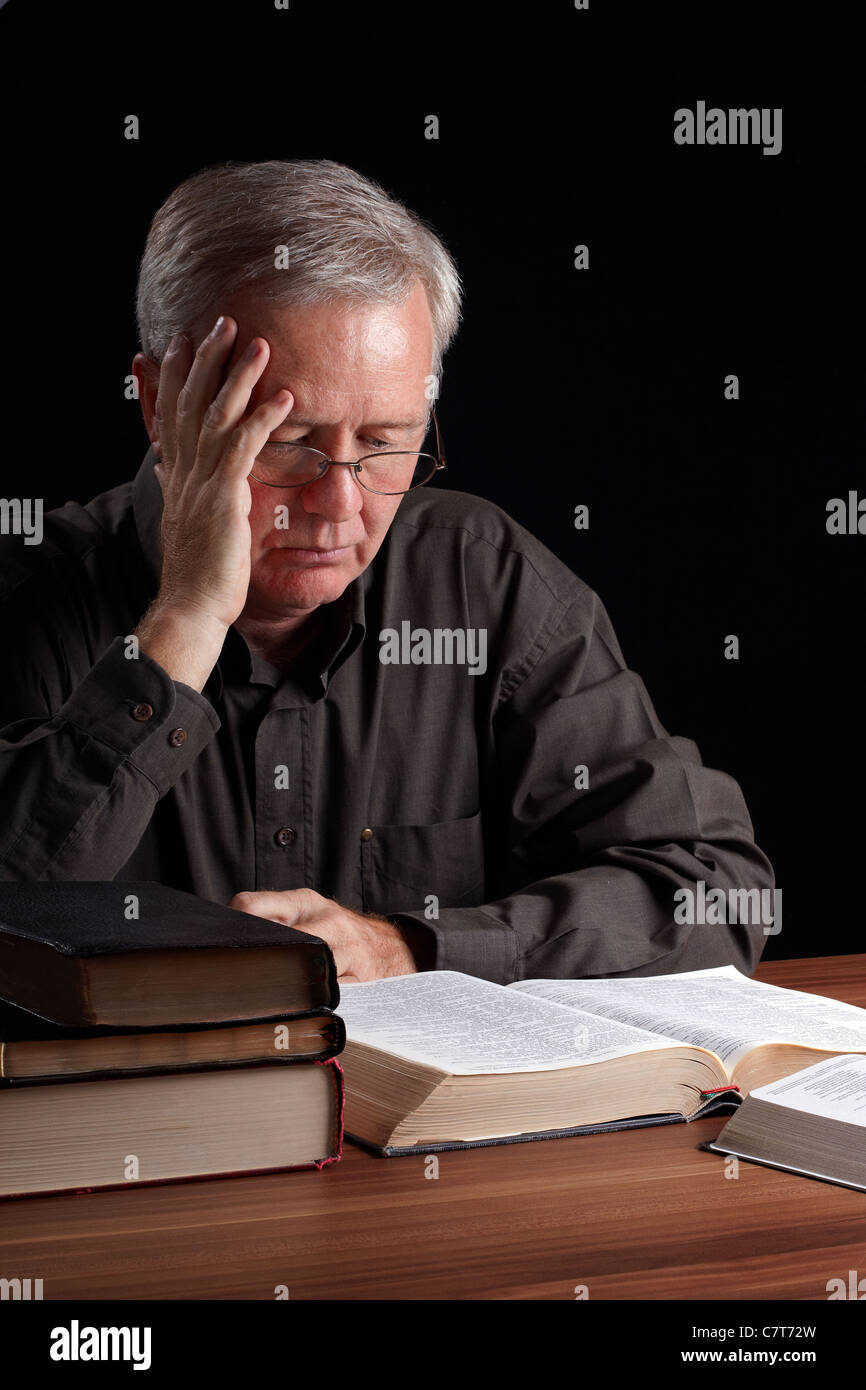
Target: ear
point(146, 372)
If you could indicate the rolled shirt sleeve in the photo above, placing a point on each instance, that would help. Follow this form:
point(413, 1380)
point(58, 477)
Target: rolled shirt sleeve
point(84, 780)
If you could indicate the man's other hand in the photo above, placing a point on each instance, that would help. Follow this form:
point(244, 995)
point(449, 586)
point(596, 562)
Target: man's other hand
point(365, 947)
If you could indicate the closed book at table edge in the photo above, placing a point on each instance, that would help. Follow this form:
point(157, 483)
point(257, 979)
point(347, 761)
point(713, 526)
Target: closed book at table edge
point(714, 1147)
point(85, 919)
point(339, 1089)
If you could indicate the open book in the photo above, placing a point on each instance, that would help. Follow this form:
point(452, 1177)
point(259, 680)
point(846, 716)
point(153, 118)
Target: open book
point(441, 1060)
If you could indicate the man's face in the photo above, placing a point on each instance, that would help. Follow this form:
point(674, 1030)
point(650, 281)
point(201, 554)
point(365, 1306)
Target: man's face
point(358, 375)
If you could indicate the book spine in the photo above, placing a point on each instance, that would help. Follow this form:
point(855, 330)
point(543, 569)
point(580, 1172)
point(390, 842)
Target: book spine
point(340, 1097)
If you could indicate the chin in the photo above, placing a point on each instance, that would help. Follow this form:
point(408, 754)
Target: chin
point(278, 585)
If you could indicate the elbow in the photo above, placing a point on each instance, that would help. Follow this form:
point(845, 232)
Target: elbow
point(736, 896)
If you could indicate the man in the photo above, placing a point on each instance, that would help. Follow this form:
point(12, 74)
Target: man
point(277, 670)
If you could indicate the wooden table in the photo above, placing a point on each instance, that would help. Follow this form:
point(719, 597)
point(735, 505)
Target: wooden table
point(640, 1214)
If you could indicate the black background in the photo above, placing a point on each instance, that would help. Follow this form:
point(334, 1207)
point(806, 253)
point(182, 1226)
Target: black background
point(603, 387)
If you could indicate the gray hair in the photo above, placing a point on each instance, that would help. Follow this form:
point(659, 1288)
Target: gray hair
point(218, 231)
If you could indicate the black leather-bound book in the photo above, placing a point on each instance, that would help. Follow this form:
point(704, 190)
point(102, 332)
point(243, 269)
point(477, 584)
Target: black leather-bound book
point(141, 955)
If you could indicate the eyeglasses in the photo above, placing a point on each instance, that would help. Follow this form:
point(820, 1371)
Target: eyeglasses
point(285, 464)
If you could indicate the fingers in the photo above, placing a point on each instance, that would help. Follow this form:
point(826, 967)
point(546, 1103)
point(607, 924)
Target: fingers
point(290, 906)
point(224, 413)
point(249, 437)
point(202, 383)
point(197, 410)
point(172, 374)
point(225, 432)
point(308, 911)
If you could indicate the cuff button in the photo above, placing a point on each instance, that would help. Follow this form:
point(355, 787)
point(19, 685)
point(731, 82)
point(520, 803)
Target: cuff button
point(177, 737)
point(142, 712)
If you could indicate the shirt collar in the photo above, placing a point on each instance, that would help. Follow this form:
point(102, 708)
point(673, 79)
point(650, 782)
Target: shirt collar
point(344, 631)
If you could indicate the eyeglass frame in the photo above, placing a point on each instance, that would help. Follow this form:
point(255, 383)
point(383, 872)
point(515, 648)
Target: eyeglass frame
point(438, 460)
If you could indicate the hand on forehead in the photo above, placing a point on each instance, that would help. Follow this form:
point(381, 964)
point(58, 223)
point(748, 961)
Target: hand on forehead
point(339, 356)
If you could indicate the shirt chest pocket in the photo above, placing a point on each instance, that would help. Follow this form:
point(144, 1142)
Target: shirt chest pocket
point(403, 866)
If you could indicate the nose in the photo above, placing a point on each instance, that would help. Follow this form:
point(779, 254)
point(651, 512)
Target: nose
point(336, 496)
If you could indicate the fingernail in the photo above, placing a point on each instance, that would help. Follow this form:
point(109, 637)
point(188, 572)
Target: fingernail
point(252, 351)
point(217, 326)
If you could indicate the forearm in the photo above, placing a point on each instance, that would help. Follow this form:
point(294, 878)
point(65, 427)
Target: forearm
point(185, 645)
point(605, 919)
point(81, 785)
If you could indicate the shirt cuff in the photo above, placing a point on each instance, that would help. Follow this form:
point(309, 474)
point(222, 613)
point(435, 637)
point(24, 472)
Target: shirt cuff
point(472, 941)
point(133, 707)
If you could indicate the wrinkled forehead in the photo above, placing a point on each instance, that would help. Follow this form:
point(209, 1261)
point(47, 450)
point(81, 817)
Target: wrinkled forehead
point(341, 355)
point(340, 335)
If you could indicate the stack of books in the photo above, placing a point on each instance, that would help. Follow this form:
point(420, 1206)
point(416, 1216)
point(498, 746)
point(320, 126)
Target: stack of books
point(147, 1035)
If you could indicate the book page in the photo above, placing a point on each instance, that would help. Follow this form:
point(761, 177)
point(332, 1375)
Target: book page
point(465, 1025)
point(722, 1010)
point(835, 1089)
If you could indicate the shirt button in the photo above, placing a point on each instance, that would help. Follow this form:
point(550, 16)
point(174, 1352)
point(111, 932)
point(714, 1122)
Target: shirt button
point(367, 834)
point(177, 737)
point(142, 712)
point(285, 835)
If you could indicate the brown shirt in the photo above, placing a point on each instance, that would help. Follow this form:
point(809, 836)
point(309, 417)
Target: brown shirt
point(418, 789)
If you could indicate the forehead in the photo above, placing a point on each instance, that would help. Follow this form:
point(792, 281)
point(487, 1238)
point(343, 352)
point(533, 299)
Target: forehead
point(340, 346)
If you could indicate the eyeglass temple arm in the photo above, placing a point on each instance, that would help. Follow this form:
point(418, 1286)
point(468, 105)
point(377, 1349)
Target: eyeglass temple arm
point(439, 452)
